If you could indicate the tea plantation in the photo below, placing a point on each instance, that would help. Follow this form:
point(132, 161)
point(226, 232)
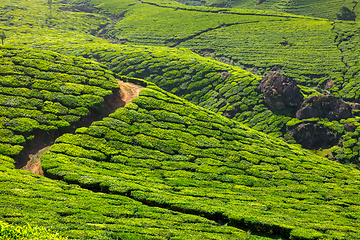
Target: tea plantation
point(324, 9)
point(199, 154)
point(8, 232)
point(301, 46)
point(77, 213)
point(45, 92)
point(166, 152)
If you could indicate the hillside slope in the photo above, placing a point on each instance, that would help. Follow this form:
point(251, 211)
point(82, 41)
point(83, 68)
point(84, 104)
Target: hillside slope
point(44, 93)
point(166, 152)
point(304, 48)
point(316, 52)
point(170, 158)
point(162, 167)
point(318, 8)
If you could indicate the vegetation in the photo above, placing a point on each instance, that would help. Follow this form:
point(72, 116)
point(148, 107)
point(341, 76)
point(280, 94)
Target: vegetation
point(323, 9)
point(176, 166)
point(46, 92)
point(346, 14)
point(3, 37)
point(166, 152)
point(78, 213)
point(11, 232)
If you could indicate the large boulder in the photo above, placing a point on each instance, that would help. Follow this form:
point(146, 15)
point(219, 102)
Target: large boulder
point(313, 136)
point(324, 106)
point(280, 91)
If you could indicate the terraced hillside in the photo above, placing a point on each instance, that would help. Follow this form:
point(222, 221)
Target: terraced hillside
point(325, 52)
point(62, 87)
point(304, 48)
point(167, 162)
point(319, 8)
point(165, 152)
point(162, 167)
point(307, 49)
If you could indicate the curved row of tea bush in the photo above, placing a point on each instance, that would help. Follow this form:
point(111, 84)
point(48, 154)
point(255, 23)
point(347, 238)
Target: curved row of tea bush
point(219, 87)
point(77, 213)
point(320, 9)
point(234, 96)
point(167, 152)
point(348, 39)
point(46, 91)
point(303, 47)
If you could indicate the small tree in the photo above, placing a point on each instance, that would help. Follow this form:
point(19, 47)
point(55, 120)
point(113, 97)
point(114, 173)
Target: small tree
point(2, 36)
point(346, 14)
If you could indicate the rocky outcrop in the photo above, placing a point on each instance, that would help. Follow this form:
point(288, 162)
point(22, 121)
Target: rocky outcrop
point(355, 106)
point(313, 136)
point(280, 91)
point(324, 106)
point(350, 127)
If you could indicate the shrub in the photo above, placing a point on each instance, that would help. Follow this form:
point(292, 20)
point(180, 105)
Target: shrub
point(346, 14)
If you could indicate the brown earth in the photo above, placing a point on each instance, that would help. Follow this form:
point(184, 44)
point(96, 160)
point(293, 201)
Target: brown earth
point(128, 91)
point(34, 164)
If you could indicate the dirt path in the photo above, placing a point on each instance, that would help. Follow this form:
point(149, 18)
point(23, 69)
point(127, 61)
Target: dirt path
point(128, 91)
point(34, 164)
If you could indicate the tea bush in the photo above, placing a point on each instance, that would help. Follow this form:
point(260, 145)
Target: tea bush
point(32, 98)
point(172, 154)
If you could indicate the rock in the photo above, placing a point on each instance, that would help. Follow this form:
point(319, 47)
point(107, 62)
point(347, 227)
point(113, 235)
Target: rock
point(313, 136)
point(355, 106)
point(324, 106)
point(225, 75)
point(280, 91)
point(329, 84)
point(350, 127)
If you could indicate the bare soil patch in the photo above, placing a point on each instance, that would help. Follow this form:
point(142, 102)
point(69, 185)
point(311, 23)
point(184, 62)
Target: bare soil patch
point(34, 163)
point(29, 158)
point(128, 91)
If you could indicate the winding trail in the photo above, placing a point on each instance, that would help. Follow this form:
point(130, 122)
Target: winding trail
point(128, 91)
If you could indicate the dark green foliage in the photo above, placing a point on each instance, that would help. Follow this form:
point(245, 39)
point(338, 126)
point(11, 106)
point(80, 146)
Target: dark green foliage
point(3, 37)
point(161, 150)
point(346, 14)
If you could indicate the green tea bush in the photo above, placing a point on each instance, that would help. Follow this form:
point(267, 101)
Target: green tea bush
point(10, 232)
point(180, 156)
point(35, 98)
point(78, 213)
